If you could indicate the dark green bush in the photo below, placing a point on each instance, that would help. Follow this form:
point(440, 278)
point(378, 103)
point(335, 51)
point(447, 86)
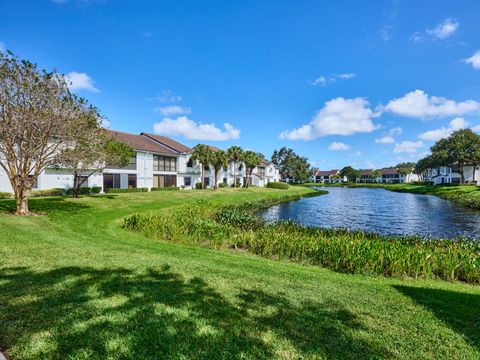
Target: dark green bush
point(48, 192)
point(126, 190)
point(223, 185)
point(198, 186)
point(96, 189)
point(277, 185)
point(170, 188)
point(5, 195)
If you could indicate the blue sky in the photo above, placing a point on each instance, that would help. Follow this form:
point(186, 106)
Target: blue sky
point(366, 83)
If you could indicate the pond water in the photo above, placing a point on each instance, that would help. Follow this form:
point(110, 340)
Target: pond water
point(381, 211)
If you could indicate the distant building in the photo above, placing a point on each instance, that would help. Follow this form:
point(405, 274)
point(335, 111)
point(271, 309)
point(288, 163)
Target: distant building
point(326, 176)
point(387, 175)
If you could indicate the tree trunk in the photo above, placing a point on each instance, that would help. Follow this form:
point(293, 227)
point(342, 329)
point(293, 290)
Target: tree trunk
point(216, 180)
point(21, 199)
point(75, 185)
point(202, 182)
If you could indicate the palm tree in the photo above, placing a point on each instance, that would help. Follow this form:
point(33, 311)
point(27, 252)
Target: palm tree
point(219, 160)
point(202, 153)
point(236, 154)
point(251, 160)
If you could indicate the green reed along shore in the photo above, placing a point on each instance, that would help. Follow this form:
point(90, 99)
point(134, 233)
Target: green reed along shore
point(355, 252)
point(463, 195)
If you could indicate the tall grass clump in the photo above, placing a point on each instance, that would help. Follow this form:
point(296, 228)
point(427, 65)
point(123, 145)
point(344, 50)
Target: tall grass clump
point(354, 252)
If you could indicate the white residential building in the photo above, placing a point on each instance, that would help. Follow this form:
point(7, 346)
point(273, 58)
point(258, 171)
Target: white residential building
point(388, 175)
point(327, 176)
point(448, 175)
point(158, 162)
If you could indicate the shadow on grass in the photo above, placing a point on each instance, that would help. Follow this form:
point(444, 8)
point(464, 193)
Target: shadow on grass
point(117, 313)
point(459, 311)
point(49, 205)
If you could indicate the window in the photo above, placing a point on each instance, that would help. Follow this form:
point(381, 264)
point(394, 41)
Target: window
point(261, 170)
point(206, 168)
point(225, 180)
point(187, 181)
point(111, 181)
point(132, 163)
point(206, 182)
point(160, 181)
point(190, 163)
point(132, 181)
point(164, 163)
point(240, 167)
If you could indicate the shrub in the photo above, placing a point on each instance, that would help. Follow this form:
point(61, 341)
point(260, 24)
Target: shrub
point(96, 189)
point(198, 186)
point(170, 188)
point(223, 185)
point(277, 185)
point(126, 190)
point(48, 192)
point(5, 195)
point(422, 182)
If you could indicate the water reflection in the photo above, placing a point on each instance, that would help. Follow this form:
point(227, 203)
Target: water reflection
point(381, 211)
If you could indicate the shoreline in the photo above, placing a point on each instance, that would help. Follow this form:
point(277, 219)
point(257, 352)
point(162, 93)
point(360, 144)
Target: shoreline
point(463, 195)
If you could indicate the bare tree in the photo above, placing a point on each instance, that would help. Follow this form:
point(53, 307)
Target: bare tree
point(92, 151)
point(37, 120)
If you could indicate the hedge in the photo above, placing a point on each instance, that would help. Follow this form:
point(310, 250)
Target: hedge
point(85, 190)
point(170, 188)
point(5, 195)
point(48, 192)
point(117, 190)
point(277, 185)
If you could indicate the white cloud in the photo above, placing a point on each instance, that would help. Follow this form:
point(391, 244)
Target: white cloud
point(3, 48)
point(385, 140)
point(339, 116)
point(386, 32)
point(418, 104)
point(474, 60)
point(191, 130)
point(443, 132)
point(407, 146)
point(395, 131)
point(322, 80)
point(345, 76)
point(338, 146)
point(173, 110)
point(444, 30)
point(388, 138)
point(167, 96)
point(357, 153)
point(80, 81)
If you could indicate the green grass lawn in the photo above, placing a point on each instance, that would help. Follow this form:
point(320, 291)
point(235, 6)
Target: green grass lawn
point(74, 284)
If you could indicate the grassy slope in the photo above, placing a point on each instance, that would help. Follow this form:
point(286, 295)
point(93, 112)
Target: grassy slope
point(465, 195)
point(74, 283)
